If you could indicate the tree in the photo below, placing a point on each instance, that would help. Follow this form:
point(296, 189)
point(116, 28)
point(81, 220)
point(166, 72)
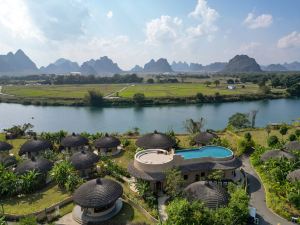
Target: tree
point(297, 133)
point(207, 83)
point(2, 220)
point(30, 181)
point(217, 175)
point(294, 90)
point(199, 96)
point(283, 130)
point(230, 81)
point(246, 144)
point(193, 126)
point(139, 98)
point(265, 89)
point(182, 212)
point(217, 83)
point(253, 114)
point(150, 81)
point(273, 141)
point(30, 220)
point(94, 98)
point(239, 120)
point(292, 137)
point(174, 183)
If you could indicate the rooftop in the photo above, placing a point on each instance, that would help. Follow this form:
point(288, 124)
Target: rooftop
point(153, 156)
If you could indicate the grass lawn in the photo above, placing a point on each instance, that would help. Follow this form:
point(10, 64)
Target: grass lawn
point(34, 202)
point(185, 89)
point(16, 143)
point(60, 91)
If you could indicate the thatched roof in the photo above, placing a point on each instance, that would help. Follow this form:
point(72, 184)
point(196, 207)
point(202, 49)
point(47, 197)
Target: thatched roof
point(84, 159)
point(155, 140)
point(204, 138)
point(294, 175)
point(8, 161)
point(107, 142)
point(276, 154)
point(98, 193)
point(293, 145)
point(74, 141)
point(212, 195)
point(4, 146)
point(34, 145)
point(40, 165)
point(144, 175)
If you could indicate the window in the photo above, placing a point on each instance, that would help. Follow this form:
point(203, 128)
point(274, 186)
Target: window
point(185, 177)
point(202, 174)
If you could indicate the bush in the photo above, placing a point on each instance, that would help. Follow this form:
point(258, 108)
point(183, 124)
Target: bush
point(139, 98)
point(28, 221)
point(297, 133)
point(94, 98)
point(273, 141)
point(292, 137)
point(239, 120)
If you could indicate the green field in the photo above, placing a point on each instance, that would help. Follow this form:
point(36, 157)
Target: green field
point(59, 91)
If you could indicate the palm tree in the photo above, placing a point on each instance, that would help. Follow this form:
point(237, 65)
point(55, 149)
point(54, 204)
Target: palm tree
point(194, 127)
point(30, 181)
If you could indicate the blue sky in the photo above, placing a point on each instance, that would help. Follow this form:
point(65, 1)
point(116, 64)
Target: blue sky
point(134, 31)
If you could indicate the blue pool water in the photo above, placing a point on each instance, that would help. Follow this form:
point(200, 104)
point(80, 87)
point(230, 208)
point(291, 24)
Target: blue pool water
point(207, 151)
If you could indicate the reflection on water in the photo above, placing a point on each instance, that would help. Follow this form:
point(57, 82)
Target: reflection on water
point(163, 118)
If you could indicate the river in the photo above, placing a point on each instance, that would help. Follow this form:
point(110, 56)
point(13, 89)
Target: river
point(162, 118)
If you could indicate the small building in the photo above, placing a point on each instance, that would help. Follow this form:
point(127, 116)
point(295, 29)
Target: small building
point(292, 146)
point(294, 175)
point(40, 165)
point(231, 87)
point(4, 148)
point(34, 148)
point(97, 200)
point(155, 140)
point(276, 154)
point(211, 194)
point(84, 162)
point(108, 145)
point(204, 138)
point(9, 161)
point(74, 143)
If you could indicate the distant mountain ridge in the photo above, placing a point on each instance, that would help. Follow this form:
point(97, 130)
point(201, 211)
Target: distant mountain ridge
point(19, 63)
point(242, 63)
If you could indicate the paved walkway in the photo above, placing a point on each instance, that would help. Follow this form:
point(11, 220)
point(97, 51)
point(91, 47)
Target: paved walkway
point(111, 95)
point(162, 207)
point(258, 198)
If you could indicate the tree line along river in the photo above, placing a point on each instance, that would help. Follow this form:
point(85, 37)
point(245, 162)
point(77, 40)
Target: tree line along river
point(147, 119)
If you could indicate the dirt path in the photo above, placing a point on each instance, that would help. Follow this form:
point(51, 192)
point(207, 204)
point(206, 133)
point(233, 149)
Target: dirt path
point(111, 95)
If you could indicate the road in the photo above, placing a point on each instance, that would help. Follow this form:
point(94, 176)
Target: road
point(258, 198)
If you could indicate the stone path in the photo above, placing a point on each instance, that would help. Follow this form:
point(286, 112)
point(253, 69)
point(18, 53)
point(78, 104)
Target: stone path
point(162, 207)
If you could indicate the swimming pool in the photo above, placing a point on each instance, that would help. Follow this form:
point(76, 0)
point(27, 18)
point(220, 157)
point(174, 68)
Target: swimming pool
point(206, 151)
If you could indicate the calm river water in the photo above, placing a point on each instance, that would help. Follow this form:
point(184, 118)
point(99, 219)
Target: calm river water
point(162, 118)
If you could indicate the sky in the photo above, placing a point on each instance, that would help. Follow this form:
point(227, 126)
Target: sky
point(132, 32)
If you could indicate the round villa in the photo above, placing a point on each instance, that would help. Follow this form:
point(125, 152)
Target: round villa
point(276, 154)
point(294, 175)
point(204, 138)
point(9, 161)
point(108, 144)
point(34, 148)
point(74, 142)
point(4, 148)
point(97, 200)
point(212, 195)
point(194, 164)
point(155, 140)
point(85, 162)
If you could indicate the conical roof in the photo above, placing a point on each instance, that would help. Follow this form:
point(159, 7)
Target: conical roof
point(293, 145)
point(212, 195)
point(41, 165)
point(74, 141)
point(8, 161)
point(35, 145)
point(155, 140)
point(107, 142)
point(276, 154)
point(4, 146)
point(83, 159)
point(294, 175)
point(204, 138)
point(97, 193)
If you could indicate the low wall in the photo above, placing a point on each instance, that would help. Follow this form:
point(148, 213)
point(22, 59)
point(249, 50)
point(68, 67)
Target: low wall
point(40, 215)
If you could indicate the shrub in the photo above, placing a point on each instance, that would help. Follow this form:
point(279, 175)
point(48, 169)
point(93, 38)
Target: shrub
point(273, 141)
point(94, 98)
point(30, 220)
point(297, 133)
point(292, 137)
point(239, 120)
point(139, 98)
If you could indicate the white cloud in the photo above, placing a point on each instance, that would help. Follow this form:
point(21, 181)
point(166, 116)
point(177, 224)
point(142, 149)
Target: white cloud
point(163, 29)
point(249, 47)
point(109, 14)
point(16, 19)
point(207, 17)
point(290, 40)
point(262, 21)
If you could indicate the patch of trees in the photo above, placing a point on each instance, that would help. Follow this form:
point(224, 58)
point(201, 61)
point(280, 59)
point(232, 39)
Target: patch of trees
point(94, 98)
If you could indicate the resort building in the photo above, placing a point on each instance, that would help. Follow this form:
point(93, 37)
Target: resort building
point(155, 140)
point(276, 154)
point(4, 149)
point(74, 143)
point(40, 165)
point(34, 148)
point(194, 164)
point(97, 200)
point(9, 161)
point(204, 138)
point(85, 163)
point(108, 145)
point(211, 194)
